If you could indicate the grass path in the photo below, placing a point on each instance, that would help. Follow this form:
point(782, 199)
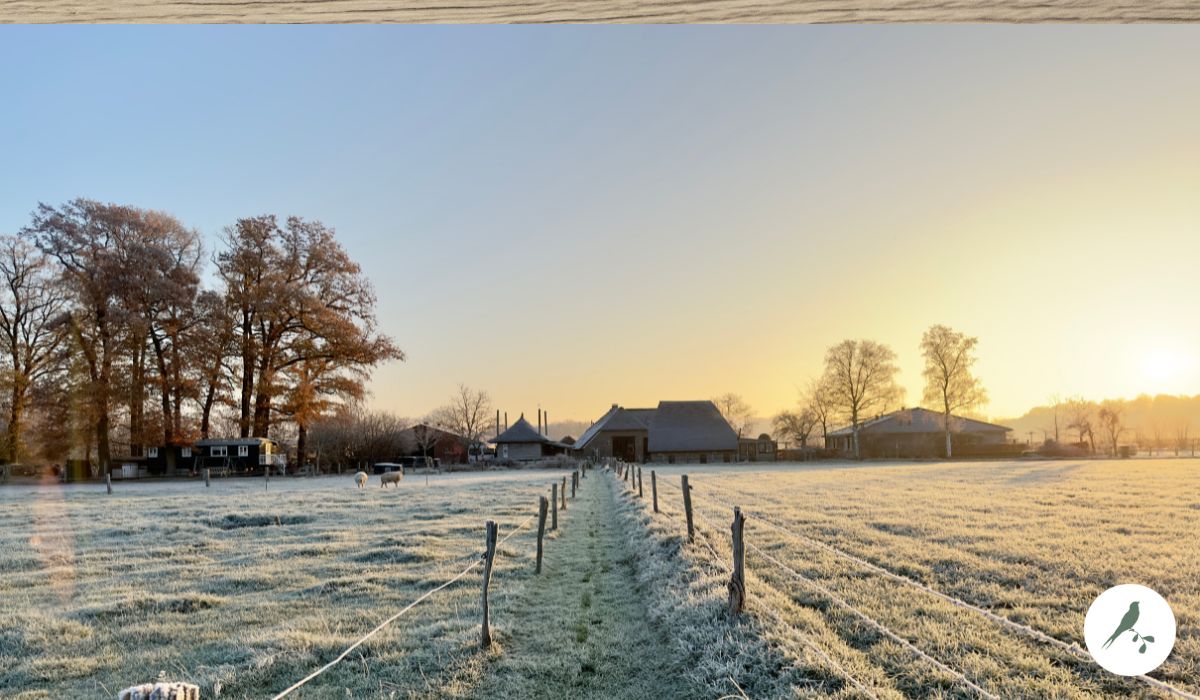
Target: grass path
point(580, 628)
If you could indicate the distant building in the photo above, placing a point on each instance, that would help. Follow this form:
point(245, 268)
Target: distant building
point(424, 440)
point(919, 432)
point(239, 455)
point(523, 443)
point(675, 431)
point(759, 449)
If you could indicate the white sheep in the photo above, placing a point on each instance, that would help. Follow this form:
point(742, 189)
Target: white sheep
point(361, 479)
point(390, 478)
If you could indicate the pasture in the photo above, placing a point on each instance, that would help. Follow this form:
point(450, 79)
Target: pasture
point(248, 589)
point(1033, 542)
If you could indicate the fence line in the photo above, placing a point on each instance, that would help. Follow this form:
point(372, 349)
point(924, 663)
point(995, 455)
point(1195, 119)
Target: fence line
point(393, 618)
point(873, 622)
point(833, 663)
point(1027, 630)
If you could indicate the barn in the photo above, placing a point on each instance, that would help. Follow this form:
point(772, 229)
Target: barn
point(523, 443)
point(674, 431)
point(920, 432)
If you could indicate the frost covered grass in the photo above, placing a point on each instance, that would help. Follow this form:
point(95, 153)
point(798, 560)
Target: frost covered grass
point(250, 589)
point(1032, 541)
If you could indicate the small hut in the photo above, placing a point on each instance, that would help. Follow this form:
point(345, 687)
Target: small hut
point(523, 443)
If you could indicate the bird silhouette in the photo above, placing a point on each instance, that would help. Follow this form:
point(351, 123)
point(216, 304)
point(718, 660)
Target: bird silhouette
point(1127, 622)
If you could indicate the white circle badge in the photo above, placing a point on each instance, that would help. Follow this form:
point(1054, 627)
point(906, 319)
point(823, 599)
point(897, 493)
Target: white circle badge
point(1129, 630)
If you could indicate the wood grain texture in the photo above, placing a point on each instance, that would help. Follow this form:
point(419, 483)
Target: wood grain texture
point(649, 11)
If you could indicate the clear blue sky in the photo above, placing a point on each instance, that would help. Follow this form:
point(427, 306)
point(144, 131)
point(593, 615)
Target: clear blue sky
point(584, 215)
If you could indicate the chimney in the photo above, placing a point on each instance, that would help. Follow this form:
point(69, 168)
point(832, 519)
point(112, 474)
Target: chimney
point(506, 420)
point(546, 422)
point(497, 421)
point(539, 420)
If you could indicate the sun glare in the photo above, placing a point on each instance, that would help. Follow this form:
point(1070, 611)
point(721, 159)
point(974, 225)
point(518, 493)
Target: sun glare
point(1162, 366)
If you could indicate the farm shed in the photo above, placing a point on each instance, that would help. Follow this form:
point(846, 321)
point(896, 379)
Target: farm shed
point(919, 432)
point(239, 455)
point(675, 431)
point(424, 440)
point(759, 449)
point(170, 460)
point(523, 443)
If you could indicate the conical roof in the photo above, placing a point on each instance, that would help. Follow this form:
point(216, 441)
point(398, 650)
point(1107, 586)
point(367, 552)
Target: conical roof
point(521, 431)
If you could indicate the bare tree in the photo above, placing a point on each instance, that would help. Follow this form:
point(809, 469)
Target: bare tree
point(1056, 405)
point(736, 411)
point(30, 311)
point(950, 384)
point(1181, 437)
point(468, 414)
point(796, 426)
point(818, 399)
point(1112, 416)
point(1079, 418)
point(861, 377)
point(426, 435)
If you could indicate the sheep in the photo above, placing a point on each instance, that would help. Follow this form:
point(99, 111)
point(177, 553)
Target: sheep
point(360, 479)
point(390, 478)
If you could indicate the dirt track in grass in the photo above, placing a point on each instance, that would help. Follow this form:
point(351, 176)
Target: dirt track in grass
point(583, 630)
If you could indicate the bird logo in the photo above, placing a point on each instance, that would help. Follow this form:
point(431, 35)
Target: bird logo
point(1128, 620)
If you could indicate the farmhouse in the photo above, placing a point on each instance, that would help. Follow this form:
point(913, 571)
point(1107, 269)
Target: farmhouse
point(239, 455)
point(675, 431)
point(919, 432)
point(523, 443)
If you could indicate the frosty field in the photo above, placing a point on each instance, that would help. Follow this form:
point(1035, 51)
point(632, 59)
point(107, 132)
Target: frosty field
point(251, 589)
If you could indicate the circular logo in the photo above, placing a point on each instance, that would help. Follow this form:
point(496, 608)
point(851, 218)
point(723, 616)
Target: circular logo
point(1129, 630)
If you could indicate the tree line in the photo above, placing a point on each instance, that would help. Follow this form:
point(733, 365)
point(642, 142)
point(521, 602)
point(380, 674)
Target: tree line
point(121, 332)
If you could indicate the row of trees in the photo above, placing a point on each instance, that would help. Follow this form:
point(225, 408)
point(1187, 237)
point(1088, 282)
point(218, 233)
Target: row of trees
point(1108, 421)
point(112, 336)
point(859, 381)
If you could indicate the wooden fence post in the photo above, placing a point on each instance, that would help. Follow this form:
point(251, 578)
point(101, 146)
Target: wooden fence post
point(542, 506)
point(4, 469)
point(207, 475)
point(108, 482)
point(564, 493)
point(554, 504)
point(488, 556)
point(574, 483)
point(639, 482)
point(266, 477)
point(737, 581)
point(654, 489)
point(687, 507)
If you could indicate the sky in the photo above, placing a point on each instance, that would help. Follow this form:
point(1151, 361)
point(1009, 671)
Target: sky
point(571, 217)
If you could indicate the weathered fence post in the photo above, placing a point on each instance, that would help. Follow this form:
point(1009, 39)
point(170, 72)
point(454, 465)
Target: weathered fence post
point(266, 477)
point(108, 481)
point(654, 489)
point(737, 580)
point(554, 504)
point(639, 482)
point(488, 555)
point(207, 476)
point(4, 476)
point(161, 691)
point(687, 507)
point(574, 483)
point(542, 506)
point(564, 493)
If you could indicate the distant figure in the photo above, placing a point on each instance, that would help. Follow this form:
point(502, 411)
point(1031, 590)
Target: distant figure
point(1127, 623)
point(361, 479)
point(390, 478)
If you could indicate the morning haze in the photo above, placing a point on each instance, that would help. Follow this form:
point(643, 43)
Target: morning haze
point(626, 215)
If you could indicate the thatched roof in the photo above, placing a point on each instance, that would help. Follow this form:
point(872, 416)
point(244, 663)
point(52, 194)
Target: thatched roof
point(918, 420)
point(617, 418)
point(690, 426)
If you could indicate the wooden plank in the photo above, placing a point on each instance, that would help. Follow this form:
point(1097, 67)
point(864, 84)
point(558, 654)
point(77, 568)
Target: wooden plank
point(542, 507)
point(606, 11)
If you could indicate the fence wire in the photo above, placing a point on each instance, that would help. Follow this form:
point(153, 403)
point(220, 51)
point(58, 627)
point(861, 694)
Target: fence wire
point(1026, 630)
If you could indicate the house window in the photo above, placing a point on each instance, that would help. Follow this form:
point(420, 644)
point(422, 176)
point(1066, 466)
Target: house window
point(152, 452)
point(218, 451)
point(243, 450)
point(764, 447)
point(186, 452)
